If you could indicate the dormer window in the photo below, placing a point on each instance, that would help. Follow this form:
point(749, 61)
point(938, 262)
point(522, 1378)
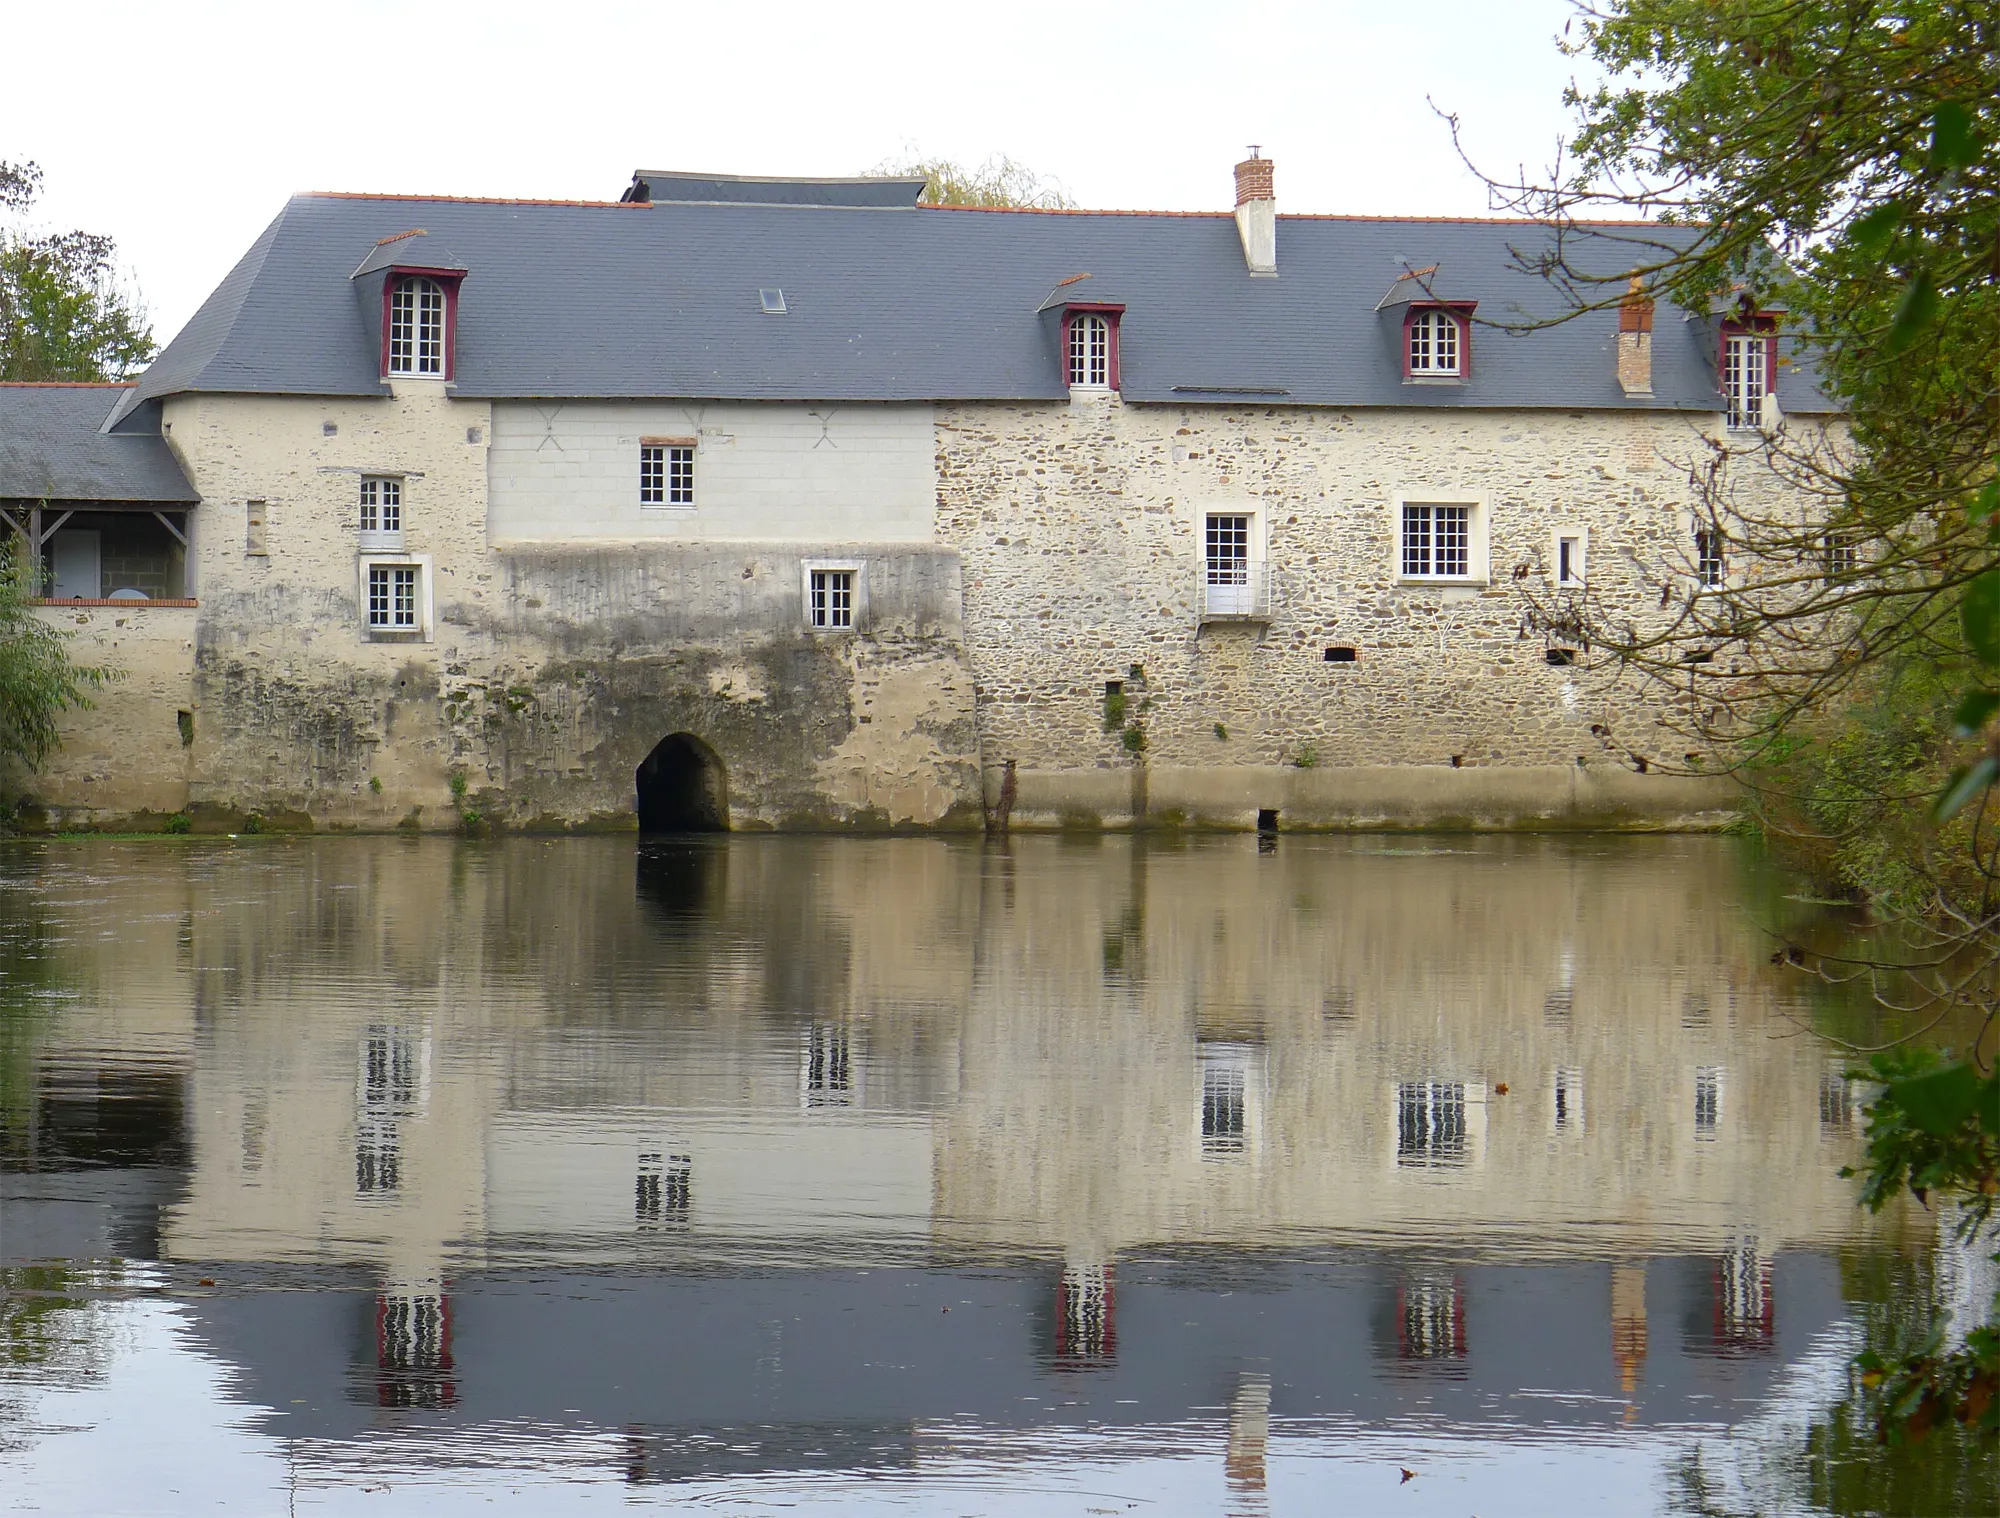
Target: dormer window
point(1090, 346)
point(1748, 371)
point(1436, 345)
point(1089, 352)
point(416, 326)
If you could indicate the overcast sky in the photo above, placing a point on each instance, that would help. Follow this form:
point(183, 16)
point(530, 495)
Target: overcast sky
point(180, 128)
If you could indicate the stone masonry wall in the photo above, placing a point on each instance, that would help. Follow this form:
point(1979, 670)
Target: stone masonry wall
point(548, 673)
point(1081, 529)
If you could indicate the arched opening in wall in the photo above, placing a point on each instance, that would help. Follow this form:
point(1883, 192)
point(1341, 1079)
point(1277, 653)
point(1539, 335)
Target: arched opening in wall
point(683, 788)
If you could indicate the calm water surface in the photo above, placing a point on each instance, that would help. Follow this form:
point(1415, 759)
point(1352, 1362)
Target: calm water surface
point(384, 1176)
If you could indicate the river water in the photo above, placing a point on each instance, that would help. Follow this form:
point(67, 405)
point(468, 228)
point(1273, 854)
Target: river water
point(1425, 1176)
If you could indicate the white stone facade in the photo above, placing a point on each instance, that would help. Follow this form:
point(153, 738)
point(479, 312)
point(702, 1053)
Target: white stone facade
point(569, 472)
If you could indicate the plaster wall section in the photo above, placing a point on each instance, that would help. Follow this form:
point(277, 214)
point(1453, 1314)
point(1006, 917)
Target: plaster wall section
point(545, 672)
point(128, 752)
point(569, 471)
point(1082, 531)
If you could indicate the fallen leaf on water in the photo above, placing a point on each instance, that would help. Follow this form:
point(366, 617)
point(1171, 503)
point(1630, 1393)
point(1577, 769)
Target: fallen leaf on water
point(1501, 1089)
point(206, 1281)
point(1408, 1475)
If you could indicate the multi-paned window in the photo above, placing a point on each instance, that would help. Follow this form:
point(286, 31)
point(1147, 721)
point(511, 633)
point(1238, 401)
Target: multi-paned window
point(1437, 541)
point(1745, 377)
point(381, 511)
point(392, 597)
point(1434, 343)
point(1710, 564)
point(416, 326)
point(832, 598)
point(1089, 352)
point(1842, 554)
point(1430, 1123)
point(666, 474)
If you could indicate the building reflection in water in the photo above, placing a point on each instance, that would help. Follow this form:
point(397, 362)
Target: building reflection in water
point(1322, 1107)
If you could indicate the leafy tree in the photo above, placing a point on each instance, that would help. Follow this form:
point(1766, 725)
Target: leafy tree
point(1837, 161)
point(999, 181)
point(38, 683)
point(64, 315)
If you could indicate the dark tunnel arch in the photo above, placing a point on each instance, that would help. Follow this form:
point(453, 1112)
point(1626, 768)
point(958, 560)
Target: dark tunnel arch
point(682, 788)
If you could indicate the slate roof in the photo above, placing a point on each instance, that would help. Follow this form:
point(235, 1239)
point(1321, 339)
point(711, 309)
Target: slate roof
point(52, 448)
point(586, 299)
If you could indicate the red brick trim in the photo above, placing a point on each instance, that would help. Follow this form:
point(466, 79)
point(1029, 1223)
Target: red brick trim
point(106, 601)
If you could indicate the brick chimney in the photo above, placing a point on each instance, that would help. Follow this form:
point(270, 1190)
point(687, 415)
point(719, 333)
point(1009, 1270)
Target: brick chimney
point(1635, 340)
point(1257, 214)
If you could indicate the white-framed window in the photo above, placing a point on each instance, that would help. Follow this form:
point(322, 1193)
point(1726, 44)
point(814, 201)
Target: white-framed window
point(395, 594)
point(1570, 546)
point(1233, 580)
point(1707, 1101)
point(826, 1067)
point(381, 511)
point(378, 1157)
point(1437, 540)
point(392, 597)
point(1089, 352)
point(1745, 378)
point(663, 1189)
point(666, 472)
point(1710, 557)
point(830, 597)
point(416, 326)
point(1435, 344)
point(1430, 1123)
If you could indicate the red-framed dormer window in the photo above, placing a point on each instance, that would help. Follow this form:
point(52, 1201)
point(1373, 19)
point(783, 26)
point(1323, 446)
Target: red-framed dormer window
point(1437, 342)
point(420, 323)
point(1747, 365)
point(1090, 347)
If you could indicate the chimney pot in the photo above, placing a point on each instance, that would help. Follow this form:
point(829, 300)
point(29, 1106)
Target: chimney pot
point(1257, 214)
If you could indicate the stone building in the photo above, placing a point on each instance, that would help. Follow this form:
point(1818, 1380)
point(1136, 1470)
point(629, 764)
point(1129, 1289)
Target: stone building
point(762, 503)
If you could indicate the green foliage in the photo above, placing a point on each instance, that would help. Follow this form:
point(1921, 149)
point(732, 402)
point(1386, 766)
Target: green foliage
point(375, 784)
point(457, 783)
point(179, 823)
point(999, 181)
point(38, 682)
point(1114, 709)
point(252, 824)
point(1306, 758)
point(1134, 739)
point(64, 314)
point(1934, 1131)
point(1221, 732)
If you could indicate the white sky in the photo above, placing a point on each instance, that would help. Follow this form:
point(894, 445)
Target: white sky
point(180, 128)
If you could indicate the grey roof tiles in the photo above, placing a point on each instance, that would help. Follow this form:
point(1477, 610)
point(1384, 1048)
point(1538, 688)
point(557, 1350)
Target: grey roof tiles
point(52, 448)
point(579, 300)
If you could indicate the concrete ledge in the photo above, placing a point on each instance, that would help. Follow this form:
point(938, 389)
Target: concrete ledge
point(1499, 798)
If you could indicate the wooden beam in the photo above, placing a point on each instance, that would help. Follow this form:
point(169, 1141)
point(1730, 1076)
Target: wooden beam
point(167, 523)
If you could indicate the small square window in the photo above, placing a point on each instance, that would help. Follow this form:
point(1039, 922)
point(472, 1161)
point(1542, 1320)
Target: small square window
point(392, 597)
point(1843, 554)
point(1437, 541)
point(832, 598)
point(666, 473)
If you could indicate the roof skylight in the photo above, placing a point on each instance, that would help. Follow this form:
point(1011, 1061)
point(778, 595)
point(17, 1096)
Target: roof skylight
point(773, 302)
